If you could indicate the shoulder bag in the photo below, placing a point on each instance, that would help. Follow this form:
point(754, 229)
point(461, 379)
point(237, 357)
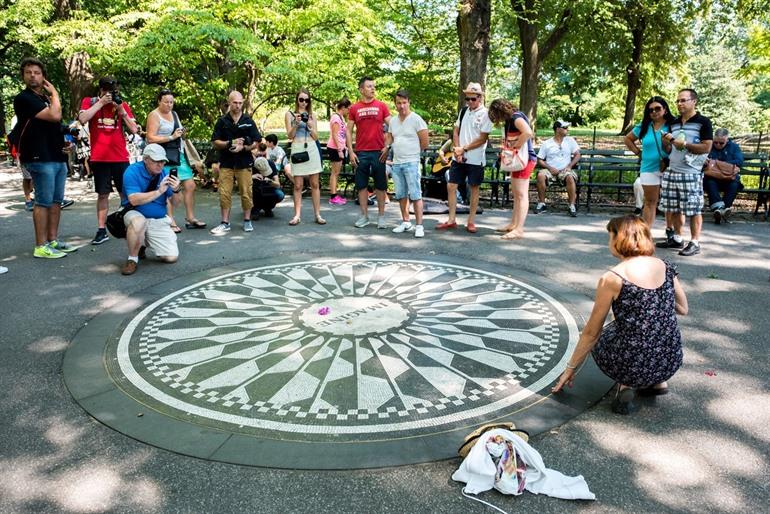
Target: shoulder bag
point(300, 157)
point(173, 148)
point(720, 170)
point(115, 223)
point(664, 160)
point(512, 159)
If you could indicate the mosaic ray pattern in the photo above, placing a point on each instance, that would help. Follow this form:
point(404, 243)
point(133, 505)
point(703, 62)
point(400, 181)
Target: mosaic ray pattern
point(344, 348)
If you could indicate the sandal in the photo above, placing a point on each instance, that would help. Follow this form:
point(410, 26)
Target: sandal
point(505, 229)
point(295, 221)
point(175, 229)
point(624, 401)
point(652, 391)
point(511, 235)
point(194, 223)
point(320, 220)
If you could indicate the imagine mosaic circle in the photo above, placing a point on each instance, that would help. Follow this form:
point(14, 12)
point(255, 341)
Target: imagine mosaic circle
point(344, 348)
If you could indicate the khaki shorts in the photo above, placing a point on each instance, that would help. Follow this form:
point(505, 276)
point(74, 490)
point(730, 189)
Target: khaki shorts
point(561, 178)
point(158, 235)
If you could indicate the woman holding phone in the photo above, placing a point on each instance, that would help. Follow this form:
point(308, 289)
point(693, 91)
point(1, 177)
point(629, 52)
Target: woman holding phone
point(165, 129)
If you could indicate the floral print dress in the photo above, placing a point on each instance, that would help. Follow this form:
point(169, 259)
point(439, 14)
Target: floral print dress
point(643, 346)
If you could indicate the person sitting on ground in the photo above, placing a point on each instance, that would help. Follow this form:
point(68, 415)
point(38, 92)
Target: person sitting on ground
point(277, 156)
point(642, 348)
point(266, 185)
point(558, 156)
point(147, 186)
point(727, 157)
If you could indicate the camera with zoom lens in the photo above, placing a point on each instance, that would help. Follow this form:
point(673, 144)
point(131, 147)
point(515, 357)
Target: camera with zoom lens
point(304, 117)
point(116, 97)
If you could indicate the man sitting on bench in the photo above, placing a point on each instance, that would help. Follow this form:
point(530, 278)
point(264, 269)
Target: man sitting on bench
point(557, 157)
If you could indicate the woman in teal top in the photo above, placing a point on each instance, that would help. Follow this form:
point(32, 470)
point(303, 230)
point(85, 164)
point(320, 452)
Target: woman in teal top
point(645, 140)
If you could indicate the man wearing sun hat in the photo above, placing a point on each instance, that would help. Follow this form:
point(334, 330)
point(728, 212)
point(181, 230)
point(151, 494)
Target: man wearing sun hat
point(146, 187)
point(471, 132)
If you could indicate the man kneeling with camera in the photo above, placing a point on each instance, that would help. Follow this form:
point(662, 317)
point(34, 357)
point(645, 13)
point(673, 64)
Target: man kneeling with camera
point(146, 187)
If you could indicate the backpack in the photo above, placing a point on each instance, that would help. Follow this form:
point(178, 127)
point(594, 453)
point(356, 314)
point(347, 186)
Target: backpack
point(13, 139)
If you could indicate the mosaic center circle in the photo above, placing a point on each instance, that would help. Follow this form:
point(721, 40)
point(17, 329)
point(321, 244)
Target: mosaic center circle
point(344, 348)
point(354, 315)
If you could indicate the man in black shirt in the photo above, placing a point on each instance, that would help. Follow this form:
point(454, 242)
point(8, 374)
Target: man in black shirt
point(235, 135)
point(41, 151)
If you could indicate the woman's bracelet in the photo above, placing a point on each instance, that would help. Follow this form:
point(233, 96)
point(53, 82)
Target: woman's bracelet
point(571, 367)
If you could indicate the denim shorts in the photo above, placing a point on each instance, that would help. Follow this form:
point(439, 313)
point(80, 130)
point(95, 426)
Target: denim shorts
point(369, 165)
point(406, 177)
point(48, 178)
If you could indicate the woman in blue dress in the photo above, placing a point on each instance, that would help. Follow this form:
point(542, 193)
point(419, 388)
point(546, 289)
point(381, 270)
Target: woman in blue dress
point(642, 348)
point(645, 140)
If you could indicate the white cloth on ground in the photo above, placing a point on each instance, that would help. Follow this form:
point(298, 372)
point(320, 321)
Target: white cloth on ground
point(478, 471)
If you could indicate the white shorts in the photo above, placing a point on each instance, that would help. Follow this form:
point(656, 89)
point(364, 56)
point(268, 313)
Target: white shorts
point(650, 178)
point(158, 235)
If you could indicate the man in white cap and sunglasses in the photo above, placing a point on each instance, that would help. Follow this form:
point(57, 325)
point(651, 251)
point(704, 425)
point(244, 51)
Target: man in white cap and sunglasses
point(558, 157)
point(471, 132)
point(146, 186)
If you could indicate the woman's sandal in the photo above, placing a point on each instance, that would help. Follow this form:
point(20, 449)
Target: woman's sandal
point(295, 221)
point(194, 223)
point(320, 220)
point(175, 229)
point(652, 391)
point(624, 401)
point(505, 229)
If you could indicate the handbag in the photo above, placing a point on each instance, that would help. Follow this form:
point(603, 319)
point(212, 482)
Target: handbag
point(720, 170)
point(512, 159)
point(115, 222)
point(299, 157)
point(174, 148)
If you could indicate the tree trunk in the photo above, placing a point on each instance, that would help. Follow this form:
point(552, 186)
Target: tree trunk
point(634, 74)
point(79, 79)
point(473, 28)
point(532, 53)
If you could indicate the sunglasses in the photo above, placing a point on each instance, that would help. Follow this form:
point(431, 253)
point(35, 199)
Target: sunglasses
point(303, 100)
point(655, 109)
point(683, 100)
point(471, 98)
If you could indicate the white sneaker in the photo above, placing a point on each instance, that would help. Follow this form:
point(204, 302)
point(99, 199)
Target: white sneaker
point(381, 222)
point(362, 222)
point(220, 229)
point(405, 226)
point(3, 269)
point(247, 226)
point(419, 231)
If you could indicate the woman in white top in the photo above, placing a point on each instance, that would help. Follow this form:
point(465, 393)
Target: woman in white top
point(302, 129)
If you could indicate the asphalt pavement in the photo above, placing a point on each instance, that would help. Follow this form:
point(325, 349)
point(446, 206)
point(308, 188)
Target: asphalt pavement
point(703, 447)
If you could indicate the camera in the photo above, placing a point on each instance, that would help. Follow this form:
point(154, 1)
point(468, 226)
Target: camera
point(304, 117)
point(116, 97)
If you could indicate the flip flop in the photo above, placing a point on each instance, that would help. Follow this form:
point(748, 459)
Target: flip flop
point(320, 220)
point(194, 223)
point(175, 229)
point(294, 221)
point(510, 235)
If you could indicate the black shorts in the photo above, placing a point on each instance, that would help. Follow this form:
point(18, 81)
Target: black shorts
point(369, 166)
point(333, 155)
point(459, 172)
point(106, 174)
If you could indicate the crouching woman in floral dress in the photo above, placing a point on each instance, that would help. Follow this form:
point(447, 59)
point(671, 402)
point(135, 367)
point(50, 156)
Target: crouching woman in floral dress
point(642, 348)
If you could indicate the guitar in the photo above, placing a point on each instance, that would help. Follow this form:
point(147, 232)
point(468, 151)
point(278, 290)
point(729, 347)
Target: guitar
point(439, 166)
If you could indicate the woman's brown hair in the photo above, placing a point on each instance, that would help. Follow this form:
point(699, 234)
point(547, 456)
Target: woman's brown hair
point(501, 110)
point(632, 236)
point(308, 106)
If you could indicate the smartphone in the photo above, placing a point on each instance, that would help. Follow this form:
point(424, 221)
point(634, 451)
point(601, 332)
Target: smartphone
point(173, 173)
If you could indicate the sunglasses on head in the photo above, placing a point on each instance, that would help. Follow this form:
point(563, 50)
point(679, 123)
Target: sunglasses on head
point(303, 100)
point(656, 109)
point(471, 98)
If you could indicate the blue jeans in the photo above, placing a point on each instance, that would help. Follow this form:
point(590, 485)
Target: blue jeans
point(406, 177)
point(730, 189)
point(49, 178)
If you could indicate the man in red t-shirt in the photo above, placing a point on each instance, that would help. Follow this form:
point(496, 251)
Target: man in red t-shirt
point(107, 115)
point(370, 119)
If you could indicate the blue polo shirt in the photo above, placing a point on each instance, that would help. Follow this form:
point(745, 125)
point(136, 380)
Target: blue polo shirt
point(136, 179)
point(731, 153)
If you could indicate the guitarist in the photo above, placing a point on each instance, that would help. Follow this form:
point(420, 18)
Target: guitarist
point(440, 171)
